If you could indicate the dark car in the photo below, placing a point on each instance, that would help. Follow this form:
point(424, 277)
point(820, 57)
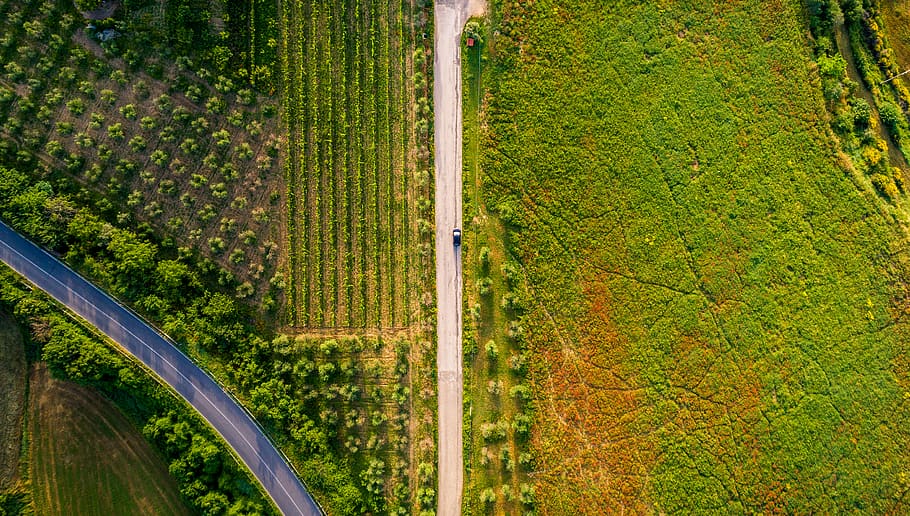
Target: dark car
point(456, 237)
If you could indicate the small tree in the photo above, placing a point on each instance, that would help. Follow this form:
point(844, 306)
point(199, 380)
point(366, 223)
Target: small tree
point(492, 350)
point(128, 111)
point(115, 131)
point(76, 106)
point(216, 244)
point(137, 143)
point(108, 96)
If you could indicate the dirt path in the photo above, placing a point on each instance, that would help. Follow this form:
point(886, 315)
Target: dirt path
point(843, 44)
point(450, 18)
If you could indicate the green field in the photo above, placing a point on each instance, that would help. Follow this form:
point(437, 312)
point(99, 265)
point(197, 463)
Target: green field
point(715, 316)
point(88, 459)
point(355, 104)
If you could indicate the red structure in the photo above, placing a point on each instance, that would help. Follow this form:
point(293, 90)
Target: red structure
point(470, 42)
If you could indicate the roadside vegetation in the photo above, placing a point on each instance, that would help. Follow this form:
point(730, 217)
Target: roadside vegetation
point(715, 312)
point(861, 34)
point(498, 404)
point(60, 467)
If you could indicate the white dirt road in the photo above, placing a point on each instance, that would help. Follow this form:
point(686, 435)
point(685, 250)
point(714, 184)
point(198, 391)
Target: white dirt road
point(450, 17)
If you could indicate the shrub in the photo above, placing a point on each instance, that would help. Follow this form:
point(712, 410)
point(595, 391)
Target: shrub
point(115, 131)
point(137, 143)
point(148, 123)
point(494, 387)
point(492, 350)
point(83, 140)
point(243, 151)
point(485, 257)
point(862, 113)
point(159, 157)
point(520, 392)
point(228, 226)
point(885, 185)
point(526, 494)
point(97, 119)
point(216, 244)
point(893, 118)
point(222, 138)
point(76, 106)
point(522, 426)
point(245, 290)
point(128, 111)
point(484, 286)
point(237, 256)
point(64, 128)
point(108, 96)
point(163, 102)
point(487, 496)
point(215, 105)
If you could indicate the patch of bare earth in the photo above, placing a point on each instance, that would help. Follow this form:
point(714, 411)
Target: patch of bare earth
point(12, 398)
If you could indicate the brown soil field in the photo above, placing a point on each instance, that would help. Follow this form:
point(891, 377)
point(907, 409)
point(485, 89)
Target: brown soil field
point(12, 400)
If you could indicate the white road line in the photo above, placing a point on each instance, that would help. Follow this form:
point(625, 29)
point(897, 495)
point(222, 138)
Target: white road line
point(168, 362)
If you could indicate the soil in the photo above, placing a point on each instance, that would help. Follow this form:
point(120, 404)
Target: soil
point(12, 401)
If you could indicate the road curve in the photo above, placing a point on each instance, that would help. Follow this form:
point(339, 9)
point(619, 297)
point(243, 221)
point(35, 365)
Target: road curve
point(160, 355)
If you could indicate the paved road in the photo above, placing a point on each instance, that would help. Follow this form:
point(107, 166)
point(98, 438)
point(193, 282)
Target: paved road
point(140, 340)
point(450, 17)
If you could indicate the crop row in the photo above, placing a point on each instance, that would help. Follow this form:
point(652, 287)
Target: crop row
point(346, 98)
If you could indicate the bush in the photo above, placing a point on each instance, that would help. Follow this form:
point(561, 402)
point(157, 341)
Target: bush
point(487, 496)
point(485, 286)
point(128, 111)
point(862, 113)
point(216, 244)
point(885, 185)
point(76, 106)
point(137, 143)
point(115, 131)
point(492, 350)
point(893, 118)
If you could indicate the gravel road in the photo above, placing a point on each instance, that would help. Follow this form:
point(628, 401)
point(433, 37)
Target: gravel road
point(450, 18)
